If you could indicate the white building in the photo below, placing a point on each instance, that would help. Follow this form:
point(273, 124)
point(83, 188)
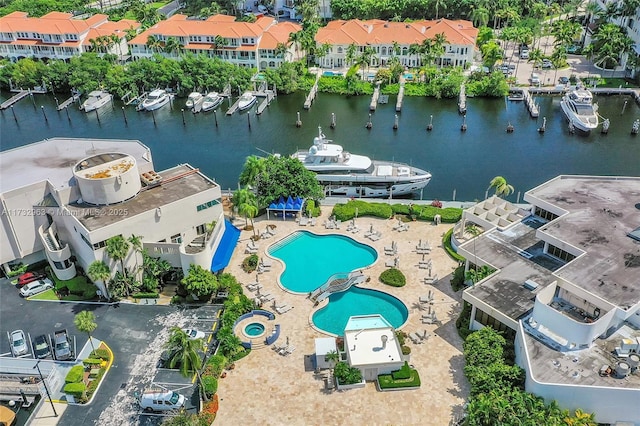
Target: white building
point(396, 39)
point(59, 35)
point(567, 285)
point(63, 198)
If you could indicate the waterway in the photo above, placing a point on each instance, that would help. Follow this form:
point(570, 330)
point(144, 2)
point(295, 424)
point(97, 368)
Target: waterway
point(462, 163)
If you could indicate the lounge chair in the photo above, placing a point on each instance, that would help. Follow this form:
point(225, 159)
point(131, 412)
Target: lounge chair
point(271, 231)
point(338, 223)
point(283, 309)
point(431, 280)
point(391, 250)
point(289, 350)
point(426, 299)
point(328, 224)
point(283, 349)
point(312, 221)
point(403, 228)
point(266, 234)
point(266, 298)
point(267, 263)
point(250, 250)
point(253, 286)
point(426, 264)
point(398, 225)
point(376, 236)
point(303, 221)
point(424, 336)
point(415, 338)
point(391, 263)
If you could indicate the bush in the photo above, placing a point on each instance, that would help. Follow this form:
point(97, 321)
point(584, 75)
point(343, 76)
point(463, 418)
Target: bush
point(150, 295)
point(216, 364)
point(92, 361)
point(19, 269)
point(101, 353)
point(75, 389)
point(457, 279)
point(210, 385)
point(401, 336)
point(393, 277)
point(312, 210)
point(462, 323)
point(386, 381)
point(93, 385)
point(406, 350)
point(402, 374)
point(347, 211)
point(347, 375)
point(176, 300)
point(448, 215)
point(250, 263)
point(446, 243)
point(75, 375)
point(436, 203)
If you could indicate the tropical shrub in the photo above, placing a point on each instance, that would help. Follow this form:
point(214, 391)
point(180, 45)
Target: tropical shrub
point(216, 364)
point(347, 375)
point(393, 277)
point(149, 295)
point(436, 203)
point(250, 263)
point(210, 385)
point(76, 389)
point(100, 353)
point(93, 385)
point(92, 361)
point(75, 375)
point(387, 381)
point(19, 269)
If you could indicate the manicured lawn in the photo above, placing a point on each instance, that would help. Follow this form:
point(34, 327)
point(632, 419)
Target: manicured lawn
point(45, 295)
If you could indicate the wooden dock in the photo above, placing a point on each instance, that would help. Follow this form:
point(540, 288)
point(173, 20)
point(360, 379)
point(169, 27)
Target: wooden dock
point(14, 99)
point(400, 96)
point(268, 97)
point(68, 102)
point(312, 93)
point(374, 99)
point(530, 103)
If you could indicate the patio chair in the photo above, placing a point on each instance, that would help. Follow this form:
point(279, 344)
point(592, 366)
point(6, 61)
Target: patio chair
point(283, 309)
point(415, 338)
point(426, 299)
point(398, 225)
point(283, 350)
point(271, 231)
point(391, 263)
point(328, 224)
point(424, 264)
point(250, 250)
point(303, 221)
point(403, 228)
point(267, 263)
point(266, 234)
point(289, 350)
point(338, 223)
point(431, 280)
point(376, 236)
point(355, 229)
point(266, 298)
point(312, 221)
point(424, 336)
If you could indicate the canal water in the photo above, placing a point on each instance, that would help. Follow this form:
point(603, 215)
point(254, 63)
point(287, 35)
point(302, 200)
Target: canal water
point(462, 163)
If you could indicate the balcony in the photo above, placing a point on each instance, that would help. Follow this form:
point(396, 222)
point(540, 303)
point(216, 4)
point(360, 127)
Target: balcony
point(58, 253)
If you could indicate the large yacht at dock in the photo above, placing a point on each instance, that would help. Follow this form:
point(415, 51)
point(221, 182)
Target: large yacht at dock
point(580, 110)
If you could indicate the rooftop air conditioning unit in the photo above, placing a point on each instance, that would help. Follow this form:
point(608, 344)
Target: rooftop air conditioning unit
point(530, 285)
point(150, 178)
point(622, 369)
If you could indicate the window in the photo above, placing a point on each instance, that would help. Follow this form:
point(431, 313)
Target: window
point(559, 253)
point(545, 214)
point(201, 229)
point(62, 265)
point(100, 245)
point(176, 238)
point(86, 240)
point(486, 319)
point(206, 205)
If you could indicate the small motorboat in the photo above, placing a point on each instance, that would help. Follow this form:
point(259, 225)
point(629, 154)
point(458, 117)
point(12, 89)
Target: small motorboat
point(97, 99)
point(156, 99)
point(193, 99)
point(211, 101)
point(246, 101)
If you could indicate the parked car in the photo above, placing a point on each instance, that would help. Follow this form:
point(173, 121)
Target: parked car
point(161, 401)
point(194, 334)
point(62, 344)
point(18, 343)
point(535, 79)
point(36, 287)
point(563, 80)
point(29, 277)
point(524, 54)
point(41, 346)
point(546, 63)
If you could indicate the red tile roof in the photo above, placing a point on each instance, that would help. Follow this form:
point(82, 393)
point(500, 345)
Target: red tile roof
point(278, 34)
point(375, 31)
point(53, 23)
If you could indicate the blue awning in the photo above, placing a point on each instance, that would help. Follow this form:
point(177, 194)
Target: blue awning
point(225, 248)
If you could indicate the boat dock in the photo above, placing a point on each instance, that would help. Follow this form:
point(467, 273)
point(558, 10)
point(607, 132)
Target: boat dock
point(68, 102)
point(530, 103)
point(312, 93)
point(14, 99)
point(400, 96)
point(374, 98)
point(268, 97)
point(462, 100)
point(197, 107)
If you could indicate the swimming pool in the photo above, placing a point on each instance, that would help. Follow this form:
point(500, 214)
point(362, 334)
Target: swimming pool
point(359, 301)
point(311, 259)
point(332, 74)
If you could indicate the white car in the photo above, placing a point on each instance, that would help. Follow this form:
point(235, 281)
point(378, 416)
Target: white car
point(535, 79)
point(194, 334)
point(36, 287)
point(18, 343)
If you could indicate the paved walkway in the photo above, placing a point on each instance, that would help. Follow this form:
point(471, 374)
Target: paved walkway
point(266, 388)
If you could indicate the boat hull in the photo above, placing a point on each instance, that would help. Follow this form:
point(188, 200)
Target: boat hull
point(372, 189)
point(156, 105)
point(573, 118)
point(206, 106)
point(246, 105)
point(97, 104)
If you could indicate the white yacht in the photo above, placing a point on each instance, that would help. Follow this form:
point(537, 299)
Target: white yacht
point(156, 99)
point(580, 110)
point(246, 101)
point(211, 101)
point(342, 173)
point(96, 99)
point(193, 99)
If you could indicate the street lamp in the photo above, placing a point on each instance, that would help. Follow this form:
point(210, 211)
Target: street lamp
point(44, 382)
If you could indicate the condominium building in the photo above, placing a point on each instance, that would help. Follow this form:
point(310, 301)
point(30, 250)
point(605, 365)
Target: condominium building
point(567, 286)
point(396, 39)
point(246, 44)
point(58, 35)
point(62, 199)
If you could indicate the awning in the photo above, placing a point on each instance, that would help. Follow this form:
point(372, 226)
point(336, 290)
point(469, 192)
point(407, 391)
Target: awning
point(225, 248)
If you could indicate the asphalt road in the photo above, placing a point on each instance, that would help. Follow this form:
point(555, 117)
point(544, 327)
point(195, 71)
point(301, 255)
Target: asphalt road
point(134, 333)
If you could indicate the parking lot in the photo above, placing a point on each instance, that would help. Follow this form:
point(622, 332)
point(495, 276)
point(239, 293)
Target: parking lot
point(135, 334)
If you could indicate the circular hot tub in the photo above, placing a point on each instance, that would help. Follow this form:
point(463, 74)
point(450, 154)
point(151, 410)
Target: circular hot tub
point(254, 329)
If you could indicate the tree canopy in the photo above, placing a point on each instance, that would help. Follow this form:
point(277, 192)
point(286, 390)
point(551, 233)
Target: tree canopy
point(199, 281)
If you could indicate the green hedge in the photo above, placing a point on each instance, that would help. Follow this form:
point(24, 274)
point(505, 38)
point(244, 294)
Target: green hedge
point(447, 215)
point(150, 295)
point(75, 389)
point(312, 210)
point(393, 277)
point(402, 374)
point(446, 243)
point(75, 375)
point(387, 381)
point(210, 385)
point(93, 385)
point(101, 353)
point(217, 363)
point(92, 361)
point(347, 211)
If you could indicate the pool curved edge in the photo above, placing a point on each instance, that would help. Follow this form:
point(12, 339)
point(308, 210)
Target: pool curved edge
point(284, 265)
point(325, 302)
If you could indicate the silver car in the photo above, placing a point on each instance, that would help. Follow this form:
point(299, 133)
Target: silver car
point(36, 287)
point(18, 343)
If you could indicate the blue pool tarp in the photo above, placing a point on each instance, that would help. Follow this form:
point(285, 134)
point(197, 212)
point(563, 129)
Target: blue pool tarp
point(225, 248)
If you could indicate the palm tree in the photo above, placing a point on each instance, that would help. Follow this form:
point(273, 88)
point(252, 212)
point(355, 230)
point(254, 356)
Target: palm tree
point(85, 322)
point(439, 4)
point(350, 56)
point(136, 244)
point(501, 186)
point(117, 249)
point(253, 167)
point(323, 50)
point(184, 351)
point(173, 45)
point(480, 16)
point(247, 204)
point(99, 271)
point(296, 39)
point(438, 43)
point(281, 50)
point(153, 44)
point(332, 357)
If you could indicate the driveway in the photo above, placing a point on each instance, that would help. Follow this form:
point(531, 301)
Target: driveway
point(136, 335)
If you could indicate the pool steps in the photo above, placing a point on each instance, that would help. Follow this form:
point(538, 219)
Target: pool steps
point(336, 283)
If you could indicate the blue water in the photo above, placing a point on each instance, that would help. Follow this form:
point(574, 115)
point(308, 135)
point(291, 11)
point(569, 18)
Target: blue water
point(254, 329)
point(359, 301)
point(311, 259)
point(332, 74)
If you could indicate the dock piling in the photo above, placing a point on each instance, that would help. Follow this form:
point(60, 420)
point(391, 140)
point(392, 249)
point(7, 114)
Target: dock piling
point(395, 122)
point(298, 121)
point(33, 101)
point(97, 115)
point(463, 127)
point(124, 115)
point(249, 121)
point(68, 116)
point(430, 125)
point(184, 123)
point(605, 126)
point(623, 107)
point(153, 115)
point(14, 114)
point(369, 124)
point(44, 114)
point(215, 117)
point(333, 121)
point(544, 125)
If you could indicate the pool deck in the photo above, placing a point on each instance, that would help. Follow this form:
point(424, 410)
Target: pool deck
point(270, 389)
